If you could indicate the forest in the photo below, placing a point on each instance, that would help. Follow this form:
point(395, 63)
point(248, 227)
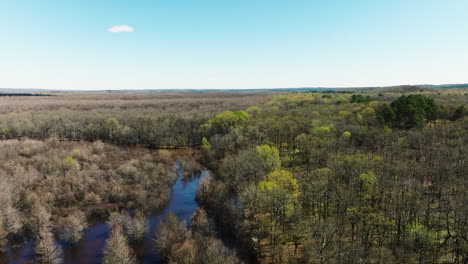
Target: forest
point(309, 176)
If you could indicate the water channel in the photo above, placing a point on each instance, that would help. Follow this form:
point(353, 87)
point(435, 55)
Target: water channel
point(90, 250)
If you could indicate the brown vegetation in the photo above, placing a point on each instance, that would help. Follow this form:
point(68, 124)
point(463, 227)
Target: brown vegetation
point(59, 185)
point(117, 249)
point(161, 120)
point(176, 244)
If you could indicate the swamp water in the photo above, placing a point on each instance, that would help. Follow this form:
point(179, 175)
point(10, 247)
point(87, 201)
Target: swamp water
point(90, 250)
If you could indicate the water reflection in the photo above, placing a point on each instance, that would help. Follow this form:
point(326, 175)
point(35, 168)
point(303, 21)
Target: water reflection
point(182, 203)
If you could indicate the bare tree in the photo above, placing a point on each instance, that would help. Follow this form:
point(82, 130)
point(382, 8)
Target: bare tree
point(117, 249)
point(71, 227)
point(46, 250)
point(138, 227)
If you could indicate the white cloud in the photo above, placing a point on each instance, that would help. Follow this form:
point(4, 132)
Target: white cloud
point(122, 28)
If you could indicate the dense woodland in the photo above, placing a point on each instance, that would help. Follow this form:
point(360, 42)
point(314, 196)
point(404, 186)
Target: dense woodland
point(338, 178)
point(371, 176)
point(159, 120)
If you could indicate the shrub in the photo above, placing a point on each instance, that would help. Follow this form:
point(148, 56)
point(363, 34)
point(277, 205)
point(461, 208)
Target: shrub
point(346, 134)
point(70, 164)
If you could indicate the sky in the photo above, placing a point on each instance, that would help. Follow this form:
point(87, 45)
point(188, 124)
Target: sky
point(168, 44)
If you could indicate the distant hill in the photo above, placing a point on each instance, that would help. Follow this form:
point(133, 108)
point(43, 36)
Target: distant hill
point(396, 88)
point(446, 86)
point(24, 94)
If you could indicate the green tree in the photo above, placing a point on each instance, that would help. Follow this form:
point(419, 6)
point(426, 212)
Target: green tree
point(70, 164)
point(409, 111)
point(226, 121)
point(460, 112)
point(420, 239)
point(206, 144)
point(386, 115)
point(269, 157)
point(278, 194)
point(114, 128)
point(357, 98)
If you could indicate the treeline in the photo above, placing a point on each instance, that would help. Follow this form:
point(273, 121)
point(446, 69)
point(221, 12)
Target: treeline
point(166, 120)
point(23, 94)
point(305, 179)
point(127, 127)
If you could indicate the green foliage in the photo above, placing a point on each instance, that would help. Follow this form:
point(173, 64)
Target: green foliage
point(206, 144)
point(360, 184)
point(357, 98)
point(280, 179)
point(70, 164)
point(346, 134)
point(269, 157)
point(368, 183)
point(459, 113)
point(418, 232)
point(253, 110)
point(386, 115)
point(420, 239)
point(291, 101)
point(226, 121)
point(368, 112)
point(278, 192)
point(341, 100)
point(323, 130)
point(113, 127)
point(409, 111)
point(241, 115)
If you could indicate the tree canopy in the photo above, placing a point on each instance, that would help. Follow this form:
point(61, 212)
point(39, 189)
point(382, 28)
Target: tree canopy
point(409, 111)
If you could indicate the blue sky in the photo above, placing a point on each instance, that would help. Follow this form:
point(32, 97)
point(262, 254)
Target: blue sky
point(65, 44)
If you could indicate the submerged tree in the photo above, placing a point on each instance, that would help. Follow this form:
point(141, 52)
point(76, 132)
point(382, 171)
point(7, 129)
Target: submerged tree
point(46, 250)
point(71, 227)
point(169, 233)
point(137, 227)
point(117, 249)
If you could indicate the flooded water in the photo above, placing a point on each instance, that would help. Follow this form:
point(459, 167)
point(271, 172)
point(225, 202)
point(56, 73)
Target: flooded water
point(182, 203)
